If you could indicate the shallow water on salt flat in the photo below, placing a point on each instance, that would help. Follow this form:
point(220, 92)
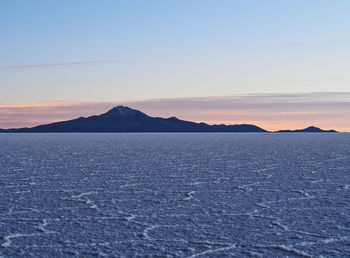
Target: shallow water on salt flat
point(186, 195)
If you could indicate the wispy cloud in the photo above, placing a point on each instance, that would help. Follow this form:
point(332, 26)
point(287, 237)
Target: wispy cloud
point(329, 110)
point(52, 65)
point(41, 104)
point(306, 44)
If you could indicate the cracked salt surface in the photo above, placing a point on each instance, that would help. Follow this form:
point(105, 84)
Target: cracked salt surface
point(175, 195)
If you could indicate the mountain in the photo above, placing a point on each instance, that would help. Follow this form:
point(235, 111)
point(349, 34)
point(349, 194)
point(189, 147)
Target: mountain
point(125, 119)
point(311, 129)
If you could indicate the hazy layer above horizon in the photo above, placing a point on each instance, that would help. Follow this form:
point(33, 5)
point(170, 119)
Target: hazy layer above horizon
point(269, 111)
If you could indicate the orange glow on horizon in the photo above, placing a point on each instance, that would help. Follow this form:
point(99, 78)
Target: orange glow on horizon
point(281, 125)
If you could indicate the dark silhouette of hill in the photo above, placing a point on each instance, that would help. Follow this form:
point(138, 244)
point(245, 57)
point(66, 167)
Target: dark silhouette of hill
point(125, 119)
point(311, 129)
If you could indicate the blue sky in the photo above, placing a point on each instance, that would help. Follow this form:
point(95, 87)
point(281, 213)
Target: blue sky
point(124, 51)
point(154, 49)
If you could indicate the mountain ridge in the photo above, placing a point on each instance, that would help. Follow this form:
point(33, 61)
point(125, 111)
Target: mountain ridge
point(124, 120)
point(310, 129)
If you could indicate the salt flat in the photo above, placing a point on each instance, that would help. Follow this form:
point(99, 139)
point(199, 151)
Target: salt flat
point(185, 195)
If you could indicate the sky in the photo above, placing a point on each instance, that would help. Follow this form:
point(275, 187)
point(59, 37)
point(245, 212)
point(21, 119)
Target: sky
point(82, 56)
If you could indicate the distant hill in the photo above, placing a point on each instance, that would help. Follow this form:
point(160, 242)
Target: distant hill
point(125, 119)
point(311, 129)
